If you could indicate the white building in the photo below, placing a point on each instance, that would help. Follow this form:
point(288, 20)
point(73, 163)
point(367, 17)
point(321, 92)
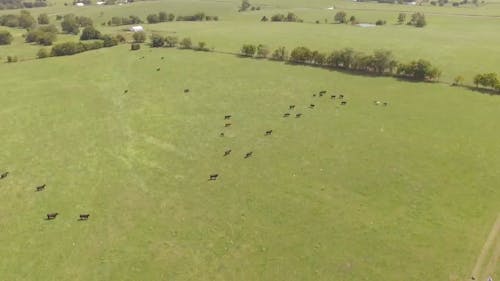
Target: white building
point(136, 28)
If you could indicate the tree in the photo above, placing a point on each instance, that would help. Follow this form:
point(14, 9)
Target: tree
point(45, 35)
point(90, 33)
point(171, 41)
point(162, 16)
point(291, 17)
point(278, 17)
point(157, 41)
point(42, 53)
point(139, 37)
point(401, 18)
point(418, 20)
point(318, 58)
point(458, 81)
point(248, 50)
point(245, 4)
point(69, 24)
point(340, 17)
point(5, 37)
point(264, 18)
point(301, 55)
point(420, 70)
point(280, 54)
point(383, 61)
point(135, 46)
point(153, 18)
point(110, 41)
point(26, 20)
point(487, 80)
point(84, 21)
point(186, 43)
point(202, 46)
point(262, 51)
point(43, 19)
point(352, 20)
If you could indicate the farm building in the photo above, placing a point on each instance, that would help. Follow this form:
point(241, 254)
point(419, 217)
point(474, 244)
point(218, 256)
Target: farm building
point(136, 28)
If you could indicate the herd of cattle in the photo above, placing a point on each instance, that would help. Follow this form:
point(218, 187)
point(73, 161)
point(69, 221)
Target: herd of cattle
point(291, 107)
point(50, 216)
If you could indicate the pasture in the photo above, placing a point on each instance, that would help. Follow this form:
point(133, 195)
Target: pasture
point(359, 191)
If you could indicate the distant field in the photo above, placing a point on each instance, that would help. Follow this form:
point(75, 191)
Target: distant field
point(407, 191)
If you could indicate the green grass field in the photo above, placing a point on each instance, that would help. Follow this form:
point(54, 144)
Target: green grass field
point(355, 192)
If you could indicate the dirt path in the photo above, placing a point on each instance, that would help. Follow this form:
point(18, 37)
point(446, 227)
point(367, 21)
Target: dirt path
point(487, 262)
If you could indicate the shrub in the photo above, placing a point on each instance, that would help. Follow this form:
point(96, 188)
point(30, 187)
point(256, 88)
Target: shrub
point(135, 46)
point(248, 50)
point(418, 20)
point(280, 54)
point(90, 33)
point(202, 46)
point(139, 37)
point(380, 22)
point(340, 17)
point(66, 49)
point(458, 81)
point(43, 19)
point(264, 18)
point(278, 17)
point(5, 37)
point(186, 43)
point(110, 41)
point(153, 18)
point(301, 54)
point(11, 59)
point(42, 53)
point(43, 35)
point(157, 41)
point(171, 41)
point(70, 24)
point(262, 51)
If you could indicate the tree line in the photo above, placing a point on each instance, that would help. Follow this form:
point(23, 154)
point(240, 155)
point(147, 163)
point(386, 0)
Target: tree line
point(487, 80)
point(21, 4)
point(158, 41)
point(380, 62)
point(160, 17)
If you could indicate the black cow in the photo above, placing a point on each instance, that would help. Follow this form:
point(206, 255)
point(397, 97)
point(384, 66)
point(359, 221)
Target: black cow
point(214, 177)
point(158, 69)
point(227, 152)
point(286, 114)
point(186, 90)
point(386, 103)
point(269, 132)
point(227, 117)
point(161, 57)
point(292, 106)
point(333, 97)
point(311, 105)
point(40, 188)
point(341, 96)
point(221, 134)
point(249, 154)
point(52, 216)
point(126, 91)
point(322, 92)
point(227, 125)
point(314, 95)
point(343, 103)
point(298, 115)
point(4, 175)
point(84, 217)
